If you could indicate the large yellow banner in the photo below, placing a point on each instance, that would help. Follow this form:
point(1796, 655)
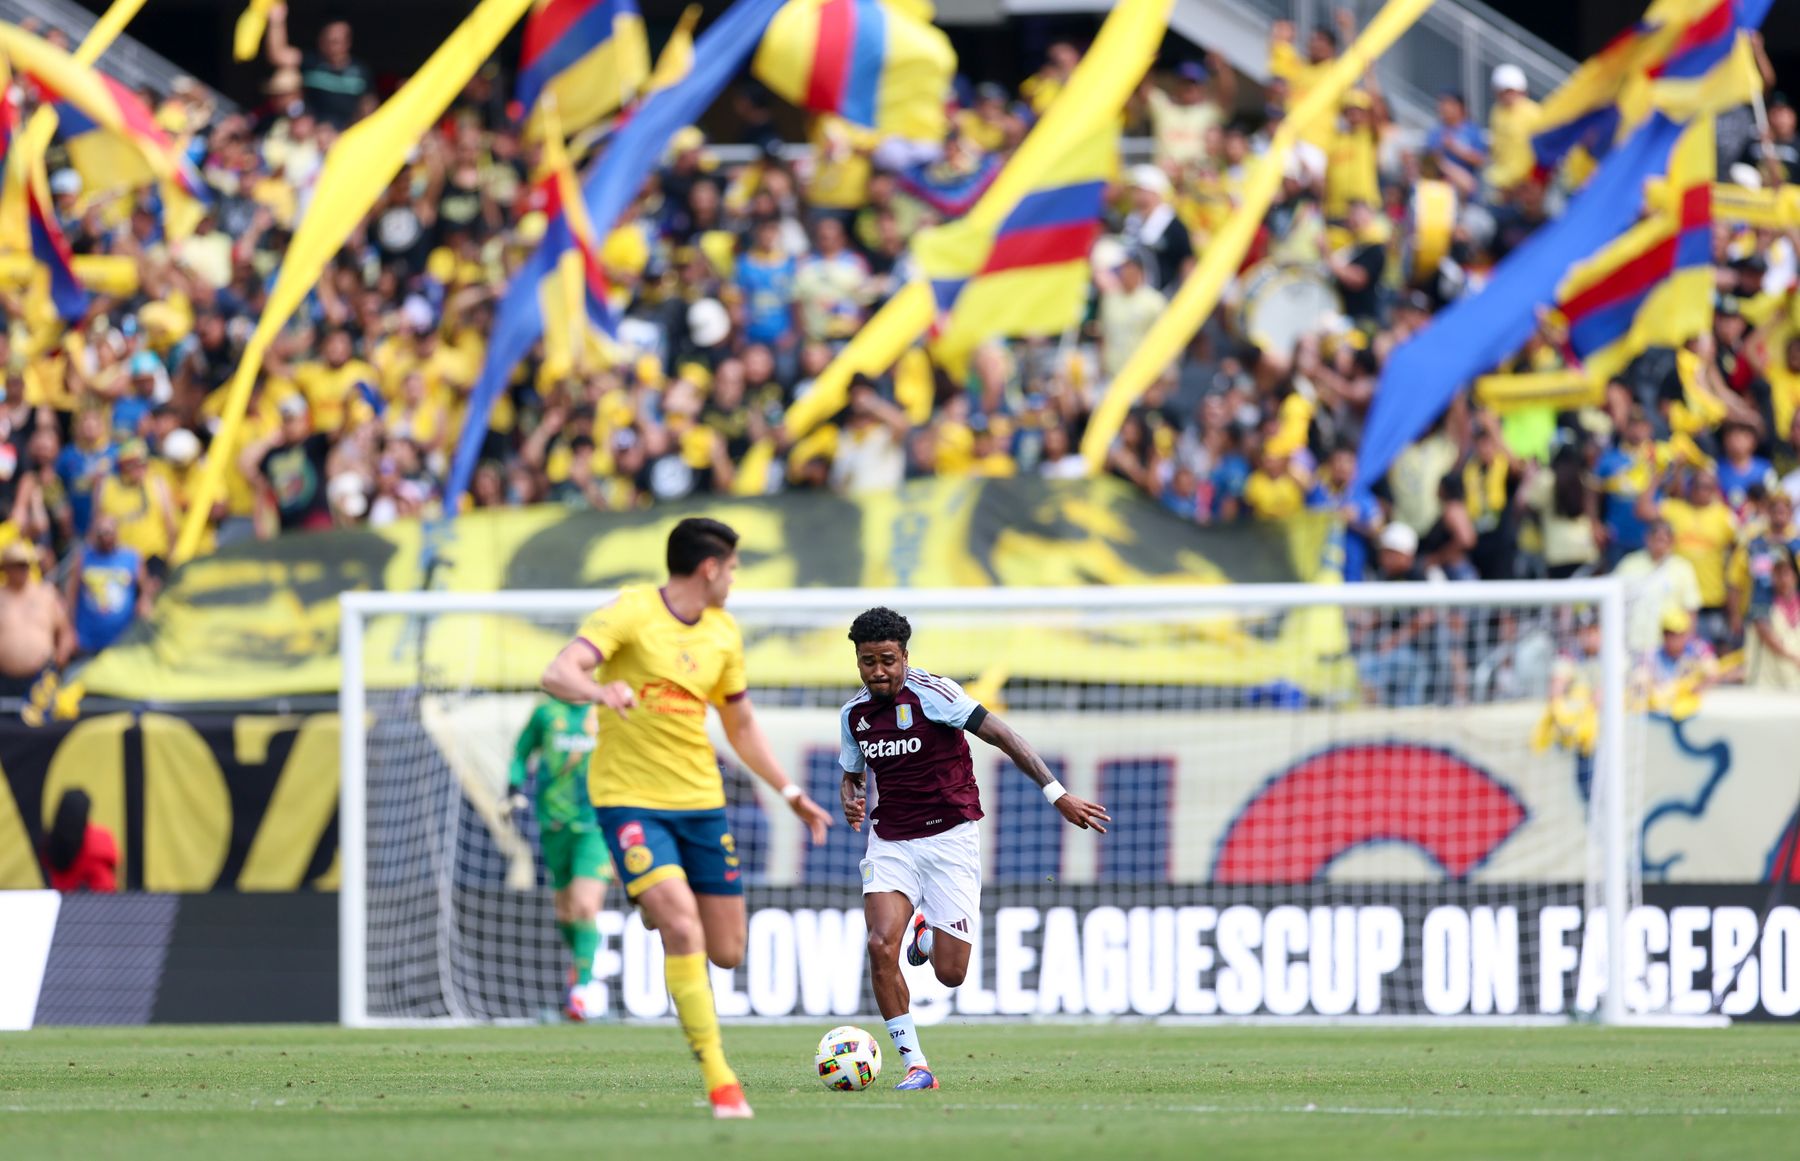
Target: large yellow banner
point(261, 620)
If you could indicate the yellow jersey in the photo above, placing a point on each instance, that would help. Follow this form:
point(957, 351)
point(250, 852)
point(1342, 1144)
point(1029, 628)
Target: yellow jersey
point(139, 513)
point(1301, 75)
point(658, 756)
point(1704, 537)
point(328, 392)
point(1273, 497)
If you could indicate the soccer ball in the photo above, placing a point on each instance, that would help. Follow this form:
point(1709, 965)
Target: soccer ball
point(849, 1059)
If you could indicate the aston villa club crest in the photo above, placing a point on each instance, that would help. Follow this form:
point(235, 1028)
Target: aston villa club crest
point(903, 716)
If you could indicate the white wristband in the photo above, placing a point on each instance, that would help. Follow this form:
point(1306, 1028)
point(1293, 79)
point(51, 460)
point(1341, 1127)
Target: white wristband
point(1053, 790)
point(792, 792)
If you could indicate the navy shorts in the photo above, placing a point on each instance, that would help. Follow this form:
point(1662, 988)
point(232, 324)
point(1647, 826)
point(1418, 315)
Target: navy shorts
point(649, 846)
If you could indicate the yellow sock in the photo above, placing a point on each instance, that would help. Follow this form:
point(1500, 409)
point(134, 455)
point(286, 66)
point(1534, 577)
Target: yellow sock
point(691, 990)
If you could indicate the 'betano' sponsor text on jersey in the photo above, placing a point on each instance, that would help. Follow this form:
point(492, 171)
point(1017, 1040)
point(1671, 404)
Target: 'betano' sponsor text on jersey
point(915, 749)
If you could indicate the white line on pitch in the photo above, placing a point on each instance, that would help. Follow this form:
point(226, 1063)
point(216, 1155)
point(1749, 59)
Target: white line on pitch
point(1327, 1110)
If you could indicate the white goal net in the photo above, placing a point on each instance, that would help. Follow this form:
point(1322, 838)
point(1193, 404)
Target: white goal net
point(1368, 801)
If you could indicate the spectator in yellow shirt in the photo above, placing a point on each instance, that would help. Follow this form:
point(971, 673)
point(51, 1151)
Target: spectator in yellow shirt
point(1705, 533)
point(1277, 489)
point(986, 123)
point(991, 461)
point(1511, 122)
point(1041, 87)
point(1301, 74)
point(1180, 120)
point(1352, 173)
point(334, 385)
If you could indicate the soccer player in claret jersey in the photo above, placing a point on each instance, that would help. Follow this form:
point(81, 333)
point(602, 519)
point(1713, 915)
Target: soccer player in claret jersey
point(906, 728)
point(556, 742)
point(653, 660)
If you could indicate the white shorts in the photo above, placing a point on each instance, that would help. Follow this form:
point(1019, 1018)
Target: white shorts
point(940, 874)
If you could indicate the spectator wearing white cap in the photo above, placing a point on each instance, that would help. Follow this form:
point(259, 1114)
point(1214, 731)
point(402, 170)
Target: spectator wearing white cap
point(1511, 123)
point(1129, 307)
point(1154, 230)
point(65, 189)
point(1776, 153)
point(1395, 646)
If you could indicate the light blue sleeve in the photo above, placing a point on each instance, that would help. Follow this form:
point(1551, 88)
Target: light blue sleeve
point(942, 700)
point(850, 755)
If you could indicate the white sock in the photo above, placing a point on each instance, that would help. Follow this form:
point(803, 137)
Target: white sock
point(925, 938)
point(906, 1041)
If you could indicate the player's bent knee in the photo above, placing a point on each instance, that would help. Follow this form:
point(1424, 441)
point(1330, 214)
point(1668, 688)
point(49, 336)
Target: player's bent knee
point(681, 934)
point(883, 948)
point(726, 957)
point(951, 975)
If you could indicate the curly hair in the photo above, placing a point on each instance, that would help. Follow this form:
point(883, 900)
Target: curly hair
point(881, 624)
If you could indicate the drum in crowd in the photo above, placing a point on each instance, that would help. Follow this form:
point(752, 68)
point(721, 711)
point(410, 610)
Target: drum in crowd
point(1430, 228)
point(1279, 303)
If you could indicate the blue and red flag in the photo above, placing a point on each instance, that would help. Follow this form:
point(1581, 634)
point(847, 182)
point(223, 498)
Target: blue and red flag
point(573, 290)
point(51, 249)
point(26, 184)
point(1475, 334)
point(879, 64)
point(589, 56)
point(950, 193)
point(609, 189)
point(1688, 58)
point(1027, 274)
point(1653, 286)
point(113, 140)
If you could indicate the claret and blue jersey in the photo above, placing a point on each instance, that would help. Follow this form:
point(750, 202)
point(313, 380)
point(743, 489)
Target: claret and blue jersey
point(914, 746)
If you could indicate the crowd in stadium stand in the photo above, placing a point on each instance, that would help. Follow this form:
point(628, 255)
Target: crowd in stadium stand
point(740, 281)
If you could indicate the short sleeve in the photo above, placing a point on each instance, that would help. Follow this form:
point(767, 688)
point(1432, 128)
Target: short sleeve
point(607, 630)
point(944, 701)
point(850, 755)
point(732, 682)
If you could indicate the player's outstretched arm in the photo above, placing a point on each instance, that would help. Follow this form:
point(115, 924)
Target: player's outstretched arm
point(570, 677)
point(751, 745)
point(1084, 814)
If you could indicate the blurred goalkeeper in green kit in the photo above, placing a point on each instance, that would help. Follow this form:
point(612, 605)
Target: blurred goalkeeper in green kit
point(560, 737)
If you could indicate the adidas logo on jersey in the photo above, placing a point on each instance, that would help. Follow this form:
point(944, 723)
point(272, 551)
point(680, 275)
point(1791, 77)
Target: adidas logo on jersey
point(862, 724)
point(891, 749)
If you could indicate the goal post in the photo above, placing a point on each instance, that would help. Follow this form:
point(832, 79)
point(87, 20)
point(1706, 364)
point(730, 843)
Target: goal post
point(1349, 802)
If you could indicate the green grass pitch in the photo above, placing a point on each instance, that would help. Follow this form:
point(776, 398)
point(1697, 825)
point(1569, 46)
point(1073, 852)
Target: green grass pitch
point(1010, 1091)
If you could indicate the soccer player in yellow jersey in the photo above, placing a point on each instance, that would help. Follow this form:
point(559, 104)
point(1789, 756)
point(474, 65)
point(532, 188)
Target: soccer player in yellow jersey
point(655, 658)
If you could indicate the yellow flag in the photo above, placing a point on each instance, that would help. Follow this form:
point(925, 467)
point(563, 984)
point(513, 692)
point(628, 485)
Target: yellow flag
point(357, 171)
point(1199, 295)
point(248, 38)
point(1104, 80)
point(677, 57)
